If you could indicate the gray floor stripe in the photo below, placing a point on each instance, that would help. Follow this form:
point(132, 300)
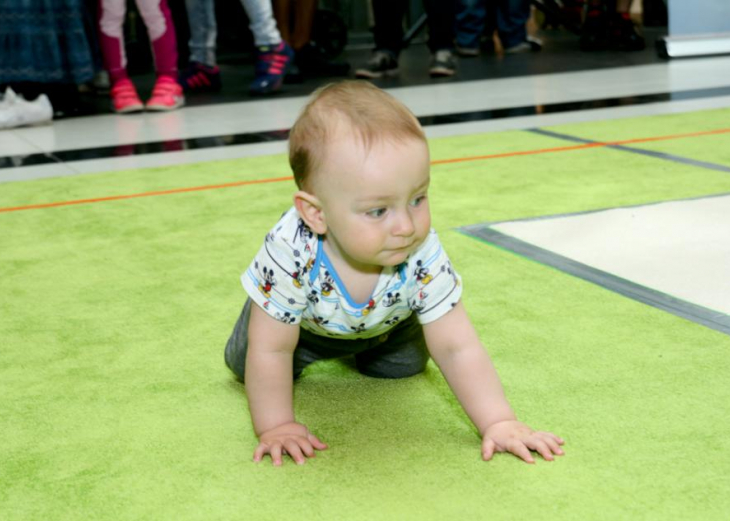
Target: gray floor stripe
point(701, 315)
point(469, 227)
point(650, 153)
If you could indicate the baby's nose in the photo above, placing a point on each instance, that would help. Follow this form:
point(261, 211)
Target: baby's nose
point(404, 225)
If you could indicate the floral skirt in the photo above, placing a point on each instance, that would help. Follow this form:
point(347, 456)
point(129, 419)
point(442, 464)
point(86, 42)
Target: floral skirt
point(44, 41)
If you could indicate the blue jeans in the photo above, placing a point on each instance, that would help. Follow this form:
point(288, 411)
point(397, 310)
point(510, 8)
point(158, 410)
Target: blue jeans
point(472, 16)
point(204, 30)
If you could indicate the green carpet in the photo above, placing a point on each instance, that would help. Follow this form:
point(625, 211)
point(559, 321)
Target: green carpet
point(116, 404)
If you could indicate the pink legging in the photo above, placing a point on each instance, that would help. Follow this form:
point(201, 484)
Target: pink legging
point(156, 16)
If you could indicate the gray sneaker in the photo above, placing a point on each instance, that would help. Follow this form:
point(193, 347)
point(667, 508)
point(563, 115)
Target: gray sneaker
point(443, 63)
point(531, 44)
point(382, 63)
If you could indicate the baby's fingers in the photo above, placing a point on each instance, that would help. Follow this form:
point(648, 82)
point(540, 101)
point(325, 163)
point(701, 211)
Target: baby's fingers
point(541, 447)
point(276, 452)
point(488, 448)
point(520, 450)
point(316, 443)
point(260, 451)
point(293, 449)
point(554, 446)
point(557, 439)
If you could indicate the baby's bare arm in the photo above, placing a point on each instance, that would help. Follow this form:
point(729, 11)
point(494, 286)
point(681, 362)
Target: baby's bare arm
point(271, 347)
point(457, 350)
point(269, 388)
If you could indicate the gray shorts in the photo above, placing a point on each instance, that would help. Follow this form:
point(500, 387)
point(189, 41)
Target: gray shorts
point(399, 353)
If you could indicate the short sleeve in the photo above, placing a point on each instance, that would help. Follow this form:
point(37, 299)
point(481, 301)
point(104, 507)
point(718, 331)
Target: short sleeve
point(274, 280)
point(435, 287)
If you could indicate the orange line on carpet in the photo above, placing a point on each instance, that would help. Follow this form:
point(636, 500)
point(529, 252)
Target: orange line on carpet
point(436, 162)
point(144, 194)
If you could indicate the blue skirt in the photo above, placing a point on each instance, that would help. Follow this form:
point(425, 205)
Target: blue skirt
point(44, 41)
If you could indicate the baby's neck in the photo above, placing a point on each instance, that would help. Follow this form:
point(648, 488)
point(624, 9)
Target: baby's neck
point(359, 282)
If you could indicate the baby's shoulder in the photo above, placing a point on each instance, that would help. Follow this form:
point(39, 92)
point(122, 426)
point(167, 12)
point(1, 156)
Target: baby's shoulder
point(291, 230)
point(290, 246)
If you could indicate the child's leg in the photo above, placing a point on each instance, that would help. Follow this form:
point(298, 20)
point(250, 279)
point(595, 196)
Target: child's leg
point(441, 20)
point(203, 31)
point(399, 354)
point(157, 19)
point(512, 17)
point(388, 30)
point(111, 38)
point(263, 23)
point(237, 345)
point(310, 349)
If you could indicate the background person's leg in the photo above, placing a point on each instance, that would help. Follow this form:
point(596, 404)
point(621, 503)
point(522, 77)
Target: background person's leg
point(274, 57)
point(111, 38)
point(161, 30)
point(203, 31)
point(469, 22)
point(441, 27)
point(512, 17)
point(388, 30)
point(441, 20)
point(202, 73)
point(262, 22)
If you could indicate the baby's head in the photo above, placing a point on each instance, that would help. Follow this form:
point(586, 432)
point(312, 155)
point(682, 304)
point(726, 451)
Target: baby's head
point(361, 163)
point(348, 109)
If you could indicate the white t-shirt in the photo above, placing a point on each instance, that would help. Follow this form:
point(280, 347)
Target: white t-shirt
point(293, 280)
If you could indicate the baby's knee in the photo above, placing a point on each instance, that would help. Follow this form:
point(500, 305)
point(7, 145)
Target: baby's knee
point(235, 360)
point(237, 346)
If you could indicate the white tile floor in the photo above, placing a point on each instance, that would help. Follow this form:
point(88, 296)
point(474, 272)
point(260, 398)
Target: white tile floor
point(444, 98)
point(681, 248)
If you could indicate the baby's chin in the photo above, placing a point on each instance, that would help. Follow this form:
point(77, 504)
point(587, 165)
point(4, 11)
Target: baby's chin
point(395, 257)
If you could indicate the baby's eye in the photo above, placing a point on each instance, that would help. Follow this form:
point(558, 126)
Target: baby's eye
point(418, 200)
point(377, 212)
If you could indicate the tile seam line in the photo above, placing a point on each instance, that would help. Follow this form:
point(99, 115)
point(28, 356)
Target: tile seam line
point(655, 298)
point(584, 145)
point(618, 145)
point(172, 191)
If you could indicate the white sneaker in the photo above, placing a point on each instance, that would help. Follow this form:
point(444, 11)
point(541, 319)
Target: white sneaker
point(16, 111)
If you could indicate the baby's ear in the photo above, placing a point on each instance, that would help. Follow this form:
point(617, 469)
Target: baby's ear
point(310, 210)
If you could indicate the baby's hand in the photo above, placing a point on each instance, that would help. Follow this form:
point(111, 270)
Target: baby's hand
point(291, 438)
point(518, 438)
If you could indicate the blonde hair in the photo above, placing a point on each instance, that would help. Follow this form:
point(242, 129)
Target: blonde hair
point(373, 115)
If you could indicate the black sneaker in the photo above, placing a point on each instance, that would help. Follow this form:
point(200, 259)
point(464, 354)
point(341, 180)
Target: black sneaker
point(443, 63)
point(382, 63)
